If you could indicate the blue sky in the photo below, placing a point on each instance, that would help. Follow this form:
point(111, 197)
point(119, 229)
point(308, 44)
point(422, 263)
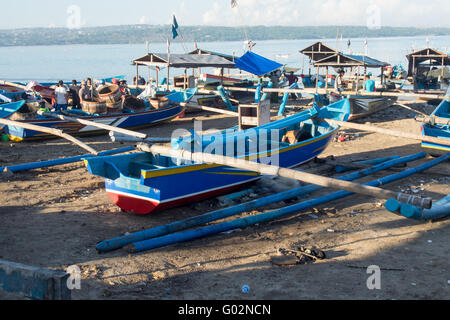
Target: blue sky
point(51, 13)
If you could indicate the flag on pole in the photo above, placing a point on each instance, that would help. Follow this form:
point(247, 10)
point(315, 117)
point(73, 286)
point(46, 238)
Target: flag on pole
point(175, 28)
point(174, 32)
point(234, 4)
point(168, 46)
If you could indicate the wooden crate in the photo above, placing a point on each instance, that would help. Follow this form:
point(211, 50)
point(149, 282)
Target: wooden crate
point(254, 115)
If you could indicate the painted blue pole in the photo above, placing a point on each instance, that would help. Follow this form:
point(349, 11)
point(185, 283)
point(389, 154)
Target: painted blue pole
point(285, 100)
point(117, 243)
point(340, 169)
point(57, 162)
point(225, 98)
point(440, 209)
point(258, 93)
point(265, 95)
point(268, 216)
point(236, 195)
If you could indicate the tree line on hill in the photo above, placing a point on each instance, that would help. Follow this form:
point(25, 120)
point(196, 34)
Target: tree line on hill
point(134, 34)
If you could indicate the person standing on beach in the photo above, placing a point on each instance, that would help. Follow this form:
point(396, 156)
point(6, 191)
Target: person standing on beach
point(339, 83)
point(75, 92)
point(61, 97)
point(369, 85)
point(92, 88)
point(87, 91)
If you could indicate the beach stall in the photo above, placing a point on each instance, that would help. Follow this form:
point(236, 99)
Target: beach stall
point(428, 68)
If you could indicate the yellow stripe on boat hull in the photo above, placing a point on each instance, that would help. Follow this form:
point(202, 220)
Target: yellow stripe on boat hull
point(186, 169)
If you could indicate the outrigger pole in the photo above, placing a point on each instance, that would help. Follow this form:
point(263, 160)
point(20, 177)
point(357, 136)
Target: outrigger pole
point(287, 173)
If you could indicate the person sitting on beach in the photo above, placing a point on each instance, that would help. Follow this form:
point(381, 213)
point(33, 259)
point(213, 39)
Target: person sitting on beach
point(369, 85)
point(61, 96)
point(124, 88)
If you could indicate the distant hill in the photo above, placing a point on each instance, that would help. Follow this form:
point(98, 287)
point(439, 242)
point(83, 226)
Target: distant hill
point(132, 34)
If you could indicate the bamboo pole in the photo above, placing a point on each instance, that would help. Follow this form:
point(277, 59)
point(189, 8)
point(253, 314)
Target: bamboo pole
point(52, 131)
point(12, 84)
point(58, 162)
point(95, 124)
point(364, 127)
point(323, 91)
point(267, 216)
point(126, 138)
point(287, 173)
point(197, 106)
point(413, 110)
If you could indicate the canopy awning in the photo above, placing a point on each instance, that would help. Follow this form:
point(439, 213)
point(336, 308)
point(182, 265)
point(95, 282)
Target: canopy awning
point(223, 55)
point(348, 60)
point(256, 64)
point(184, 61)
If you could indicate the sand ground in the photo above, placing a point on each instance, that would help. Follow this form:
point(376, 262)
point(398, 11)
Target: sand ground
point(53, 218)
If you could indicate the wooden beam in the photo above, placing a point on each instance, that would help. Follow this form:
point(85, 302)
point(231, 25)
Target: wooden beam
point(286, 173)
point(197, 106)
point(32, 282)
point(95, 124)
point(52, 131)
point(323, 91)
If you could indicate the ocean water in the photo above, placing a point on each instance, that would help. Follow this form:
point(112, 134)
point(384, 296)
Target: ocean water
point(52, 63)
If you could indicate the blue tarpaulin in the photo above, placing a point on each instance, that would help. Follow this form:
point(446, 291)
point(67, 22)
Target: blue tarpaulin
point(255, 64)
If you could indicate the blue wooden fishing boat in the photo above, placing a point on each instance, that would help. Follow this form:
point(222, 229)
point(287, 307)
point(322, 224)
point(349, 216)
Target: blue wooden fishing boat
point(143, 183)
point(360, 105)
point(8, 109)
point(441, 130)
point(127, 120)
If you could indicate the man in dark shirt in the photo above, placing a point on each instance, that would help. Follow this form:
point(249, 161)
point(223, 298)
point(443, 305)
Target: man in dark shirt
point(292, 78)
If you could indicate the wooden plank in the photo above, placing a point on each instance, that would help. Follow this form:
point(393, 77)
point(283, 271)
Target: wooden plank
point(95, 124)
point(286, 173)
point(323, 91)
point(35, 283)
point(197, 106)
point(52, 131)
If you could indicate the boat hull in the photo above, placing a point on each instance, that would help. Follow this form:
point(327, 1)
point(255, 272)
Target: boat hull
point(442, 112)
point(125, 121)
point(362, 106)
point(163, 189)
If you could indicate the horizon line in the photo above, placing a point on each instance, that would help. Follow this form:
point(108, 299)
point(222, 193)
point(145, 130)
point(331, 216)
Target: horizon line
point(218, 26)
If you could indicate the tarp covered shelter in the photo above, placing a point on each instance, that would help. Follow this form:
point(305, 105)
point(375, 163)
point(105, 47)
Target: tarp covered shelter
point(427, 58)
point(183, 61)
point(223, 55)
point(349, 60)
point(256, 64)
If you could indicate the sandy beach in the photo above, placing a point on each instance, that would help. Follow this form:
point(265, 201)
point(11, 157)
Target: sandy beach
point(53, 218)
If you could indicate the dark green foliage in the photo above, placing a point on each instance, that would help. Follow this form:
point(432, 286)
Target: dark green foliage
point(131, 34)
